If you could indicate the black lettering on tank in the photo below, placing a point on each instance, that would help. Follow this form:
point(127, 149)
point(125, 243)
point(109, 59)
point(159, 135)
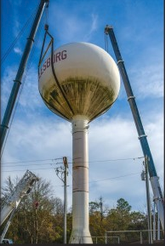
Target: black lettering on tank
point(64, 54)
point(58, 56)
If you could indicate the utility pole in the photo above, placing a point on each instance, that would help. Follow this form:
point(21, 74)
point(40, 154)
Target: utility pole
point(65, 198)
point(101, 207)
point(62, 174)
point(158, 226)
point(145, 177)
point(17, 82)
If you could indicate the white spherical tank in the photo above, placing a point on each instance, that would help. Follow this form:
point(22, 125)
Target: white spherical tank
point(87, 83)
point(79, 82)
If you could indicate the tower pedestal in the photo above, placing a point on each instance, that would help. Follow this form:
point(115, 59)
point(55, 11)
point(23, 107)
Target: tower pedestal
point(80, 210)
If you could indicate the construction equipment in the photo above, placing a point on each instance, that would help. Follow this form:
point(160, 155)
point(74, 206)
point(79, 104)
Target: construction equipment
point(17, 82)
point(158, 197)
point(23, 188)
point(7, 241)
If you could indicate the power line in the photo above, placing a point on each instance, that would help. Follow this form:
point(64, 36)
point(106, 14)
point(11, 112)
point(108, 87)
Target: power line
point(22, 170)
point(28, 161)
point(117, 177)
point(55, 159)
point(122, 159)
point(122, 176)
point(32, 164)
point(38, 162)
point(93, 181)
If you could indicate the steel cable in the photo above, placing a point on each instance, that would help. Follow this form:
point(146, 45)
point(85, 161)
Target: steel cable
point(18, 36)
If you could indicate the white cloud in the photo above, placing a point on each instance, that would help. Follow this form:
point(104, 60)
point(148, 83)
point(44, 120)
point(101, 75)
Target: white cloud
point(18, 50)
point(70, 26)
point(17, 25)
point(148, 80)
point(92, 28)
point(28, 99)
point(6, 86)
point(109, 139)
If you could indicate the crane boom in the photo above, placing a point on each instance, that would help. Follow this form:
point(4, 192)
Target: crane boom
point(17, 82)
point(158, 197)
point(22, 188)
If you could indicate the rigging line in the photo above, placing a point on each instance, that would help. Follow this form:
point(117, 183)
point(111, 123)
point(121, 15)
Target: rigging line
point(52, 66)
point(23, 82)
point(46, 15)
point(56, 79)
point(14, 110)
point(29, 63)
point(18, 36)
point(37, 39)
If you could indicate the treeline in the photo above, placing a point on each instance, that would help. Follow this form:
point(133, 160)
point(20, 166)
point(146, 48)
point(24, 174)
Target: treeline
point(39, 218)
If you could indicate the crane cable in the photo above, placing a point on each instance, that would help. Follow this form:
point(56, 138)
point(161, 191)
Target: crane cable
point(18, 36)
point(57, 83)
point(23, 82)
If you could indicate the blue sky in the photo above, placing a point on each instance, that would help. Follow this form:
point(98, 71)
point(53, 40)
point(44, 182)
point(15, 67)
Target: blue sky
point(37, 134)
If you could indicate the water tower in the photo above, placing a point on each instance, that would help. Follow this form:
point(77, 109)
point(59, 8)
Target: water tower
point(79, 82)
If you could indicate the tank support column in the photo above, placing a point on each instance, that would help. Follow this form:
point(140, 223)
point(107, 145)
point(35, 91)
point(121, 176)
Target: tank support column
point(80, 222)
